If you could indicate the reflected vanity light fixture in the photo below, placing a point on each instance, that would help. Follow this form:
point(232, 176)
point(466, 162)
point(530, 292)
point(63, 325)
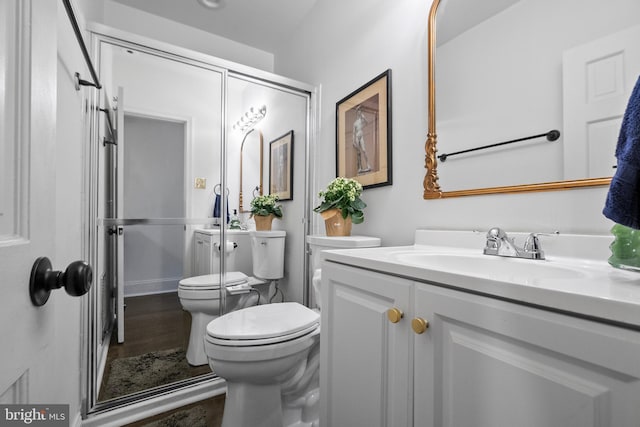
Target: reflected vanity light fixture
point(250, 119)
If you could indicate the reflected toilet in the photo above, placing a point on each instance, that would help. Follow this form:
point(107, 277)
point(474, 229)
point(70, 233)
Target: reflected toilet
point(200, 296)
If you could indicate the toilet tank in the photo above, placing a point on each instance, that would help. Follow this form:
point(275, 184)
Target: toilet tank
point(238, 251)
point(242, 253)
point(318, 243)
point(267, 250)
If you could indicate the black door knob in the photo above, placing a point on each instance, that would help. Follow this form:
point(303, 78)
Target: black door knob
point(76, 280)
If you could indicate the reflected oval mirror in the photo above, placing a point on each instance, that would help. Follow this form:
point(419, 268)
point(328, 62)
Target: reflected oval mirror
point(510, 69)
point(251, 149)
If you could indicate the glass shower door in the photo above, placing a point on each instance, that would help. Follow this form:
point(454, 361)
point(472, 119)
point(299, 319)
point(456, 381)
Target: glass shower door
point(157, 191)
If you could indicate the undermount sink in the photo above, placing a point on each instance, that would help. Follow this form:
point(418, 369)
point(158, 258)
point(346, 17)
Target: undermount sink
point(492, 267)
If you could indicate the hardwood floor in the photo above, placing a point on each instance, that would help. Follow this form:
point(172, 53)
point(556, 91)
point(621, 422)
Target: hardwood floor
point(151, 323)
point(157, 322)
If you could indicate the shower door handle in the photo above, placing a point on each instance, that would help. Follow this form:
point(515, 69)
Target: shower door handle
point(116, 230)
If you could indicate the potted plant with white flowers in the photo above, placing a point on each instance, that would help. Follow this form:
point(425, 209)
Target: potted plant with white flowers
point(341, 206)
point(264, 209)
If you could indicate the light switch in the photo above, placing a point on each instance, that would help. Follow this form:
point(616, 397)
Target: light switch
point(201, 183)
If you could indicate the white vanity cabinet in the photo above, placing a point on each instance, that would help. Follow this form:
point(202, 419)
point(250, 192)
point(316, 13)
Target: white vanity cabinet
point(481, 362)
point(203, 252)
point(366, 361)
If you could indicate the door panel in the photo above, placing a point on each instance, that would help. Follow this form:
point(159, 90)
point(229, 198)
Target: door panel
point(369, 357)
point(489, 363)
point(27, 187)
point(598, 79)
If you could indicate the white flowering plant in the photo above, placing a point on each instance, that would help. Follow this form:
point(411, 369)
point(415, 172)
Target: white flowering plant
point(344, 194)
point(266, 205)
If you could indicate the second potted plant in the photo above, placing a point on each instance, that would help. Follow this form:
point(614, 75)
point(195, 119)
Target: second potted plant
point(264, 209)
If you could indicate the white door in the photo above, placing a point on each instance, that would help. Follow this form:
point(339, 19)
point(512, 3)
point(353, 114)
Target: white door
point(27, 189)
point(597, 81)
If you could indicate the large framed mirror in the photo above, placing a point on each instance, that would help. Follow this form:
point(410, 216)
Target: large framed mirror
point(510, 69)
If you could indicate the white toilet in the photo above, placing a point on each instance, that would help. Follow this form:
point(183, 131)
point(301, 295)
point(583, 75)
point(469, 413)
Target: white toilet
point(200, 296)
point(269, 354)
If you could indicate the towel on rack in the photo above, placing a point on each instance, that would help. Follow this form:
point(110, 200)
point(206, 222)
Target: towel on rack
point(623, 200)
point(216, 207)
point(217, 204)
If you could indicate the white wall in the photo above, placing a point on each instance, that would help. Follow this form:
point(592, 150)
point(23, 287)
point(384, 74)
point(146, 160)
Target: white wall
point(367, 37)
point(90, 11)
point(135, 21)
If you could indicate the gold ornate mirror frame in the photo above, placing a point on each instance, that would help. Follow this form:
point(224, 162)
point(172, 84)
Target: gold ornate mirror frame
point(261, 143)
point(431, 187)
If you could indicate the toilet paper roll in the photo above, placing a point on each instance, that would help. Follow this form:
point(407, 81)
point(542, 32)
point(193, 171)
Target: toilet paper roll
point(229, 246)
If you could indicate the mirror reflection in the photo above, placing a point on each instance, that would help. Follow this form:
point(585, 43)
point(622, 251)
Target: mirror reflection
point(247, 116)
point(512, 69)
point(250, 184)
point(167, 156)
point(161, 205)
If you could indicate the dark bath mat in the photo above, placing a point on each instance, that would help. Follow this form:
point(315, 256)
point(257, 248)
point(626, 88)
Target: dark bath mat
point(131, 374)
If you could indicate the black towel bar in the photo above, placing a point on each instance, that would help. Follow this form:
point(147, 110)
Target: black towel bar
point(552, 135)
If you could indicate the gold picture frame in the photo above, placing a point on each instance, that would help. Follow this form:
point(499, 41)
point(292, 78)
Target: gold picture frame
point(363, 133)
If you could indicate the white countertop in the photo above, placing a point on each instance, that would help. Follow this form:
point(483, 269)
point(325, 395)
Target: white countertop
point(596, 290)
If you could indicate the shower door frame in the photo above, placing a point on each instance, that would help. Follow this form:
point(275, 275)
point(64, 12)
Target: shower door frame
point(133, 407)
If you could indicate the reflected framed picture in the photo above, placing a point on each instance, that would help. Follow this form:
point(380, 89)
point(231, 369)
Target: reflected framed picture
point(281, 166)
point(363, 133)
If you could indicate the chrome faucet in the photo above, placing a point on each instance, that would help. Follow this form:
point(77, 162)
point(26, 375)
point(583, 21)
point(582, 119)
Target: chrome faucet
point(498, 243)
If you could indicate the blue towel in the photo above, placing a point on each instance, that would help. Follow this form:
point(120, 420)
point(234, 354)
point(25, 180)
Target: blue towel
point(623, 200)
point(217, 205)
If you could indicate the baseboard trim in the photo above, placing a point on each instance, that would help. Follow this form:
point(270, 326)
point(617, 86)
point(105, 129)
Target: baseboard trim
point(137, 411)
point(77, 421)
point(162, 285)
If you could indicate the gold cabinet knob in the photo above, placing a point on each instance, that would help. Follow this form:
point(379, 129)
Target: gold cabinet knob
point(394, 315)
point(419, 325)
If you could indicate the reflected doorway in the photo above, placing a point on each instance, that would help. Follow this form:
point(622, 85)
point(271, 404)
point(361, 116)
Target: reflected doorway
point(153, 187)
point(149, 348)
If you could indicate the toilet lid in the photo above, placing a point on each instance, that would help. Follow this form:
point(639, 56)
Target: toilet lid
point(263, 324)
point(212, 281)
